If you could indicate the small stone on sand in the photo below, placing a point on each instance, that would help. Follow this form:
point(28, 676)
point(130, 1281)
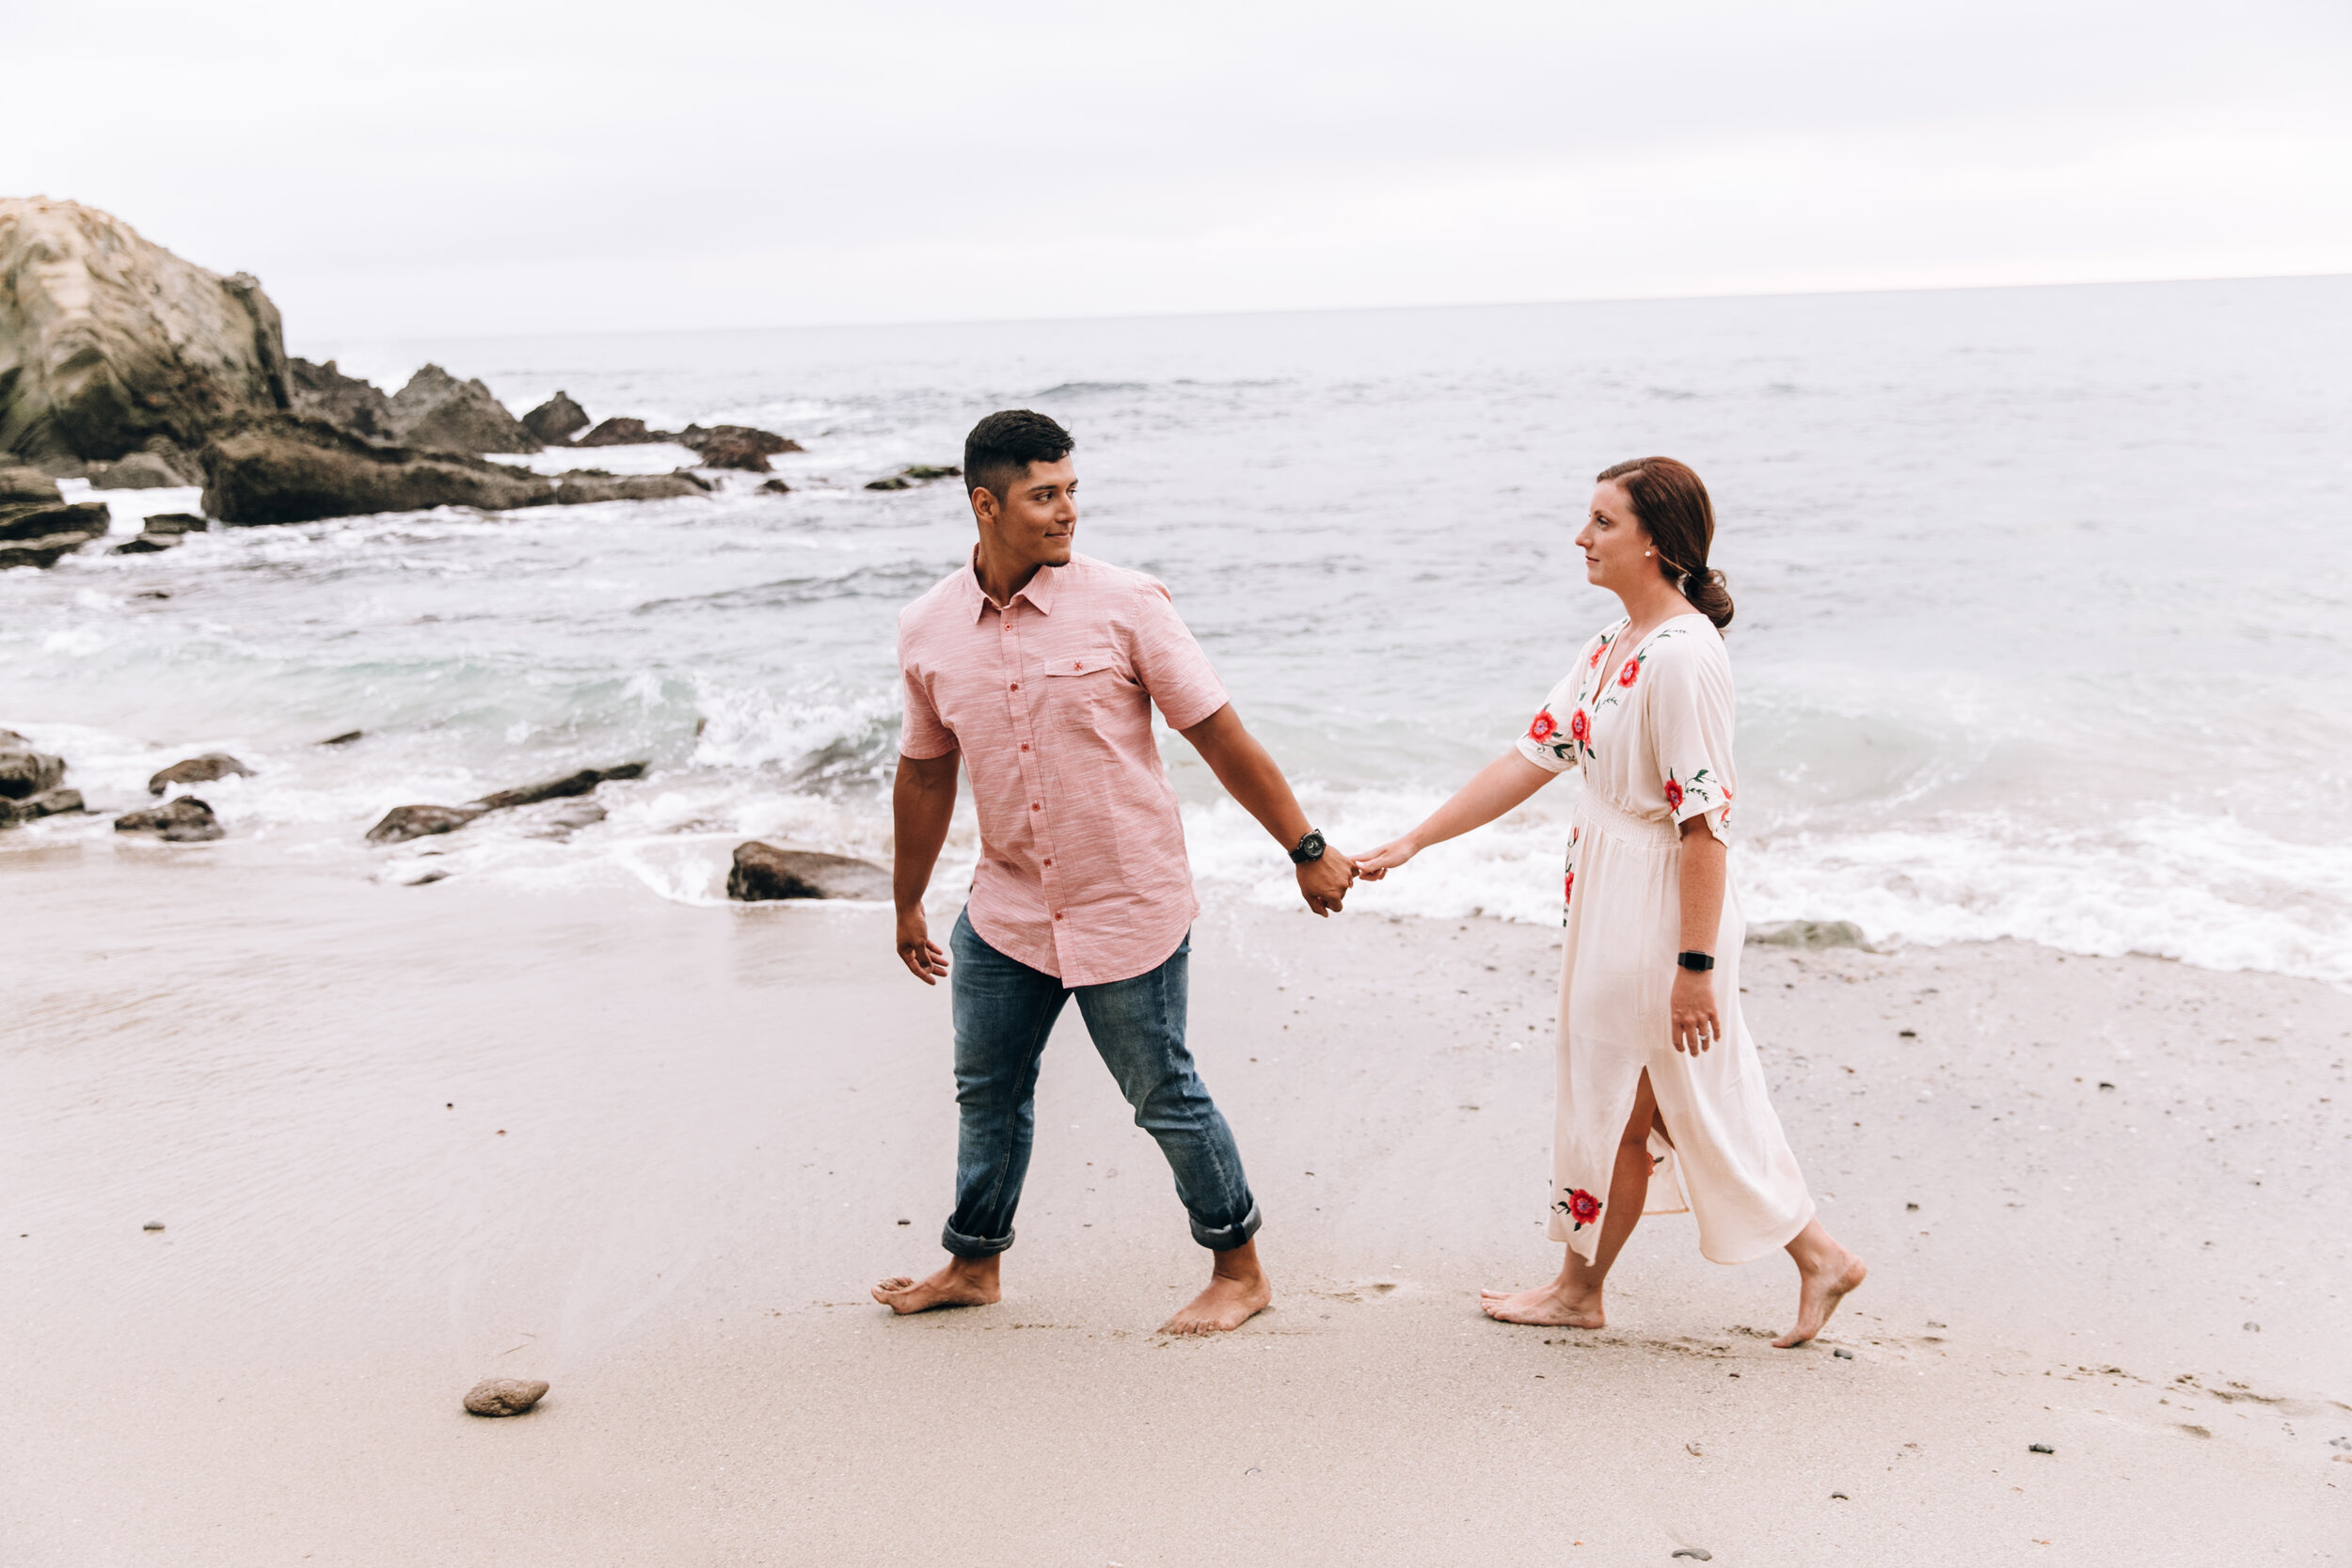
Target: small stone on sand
point(2040, 1448)
point(1843, 1354)
point(1698, 1553)
point(504, 1396)
point(153, 1225)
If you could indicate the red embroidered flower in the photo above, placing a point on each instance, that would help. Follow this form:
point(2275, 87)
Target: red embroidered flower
point(1580, 726)
point(1583, 1207)
point(1598, 648)
point(1674, 796)
point(1543, 728)
point(1568, 894)
point(1632, 668)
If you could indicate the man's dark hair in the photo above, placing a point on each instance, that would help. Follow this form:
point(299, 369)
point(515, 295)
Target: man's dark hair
point(997, 453)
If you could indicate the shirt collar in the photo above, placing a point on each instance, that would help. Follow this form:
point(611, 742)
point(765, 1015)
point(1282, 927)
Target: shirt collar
point(1039, 592)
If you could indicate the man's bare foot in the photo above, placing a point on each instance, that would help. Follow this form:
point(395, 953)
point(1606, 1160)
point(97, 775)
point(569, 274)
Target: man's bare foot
point(1552, 1306)
point(965, 1282)
point(1824, 1279)
point(1238, 1291)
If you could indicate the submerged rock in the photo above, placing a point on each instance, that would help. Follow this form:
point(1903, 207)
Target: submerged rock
point(49, 802)
point(915, 474)
point(585, 486)
point(186, 820)
point(343, 739)
point(23, 771)
point(775, 487)
point(440, 413)
point(736, 446)
point(556, 789)
point(199, 769)
point(36, 527)
point(107, 339)
point(323, 392)
point(403, 823)
point(556, 420)
point(1808, 934)
point(162, 532)
point(763, 872)
point(504, 1396)
point(296, 471)
point(622, 433)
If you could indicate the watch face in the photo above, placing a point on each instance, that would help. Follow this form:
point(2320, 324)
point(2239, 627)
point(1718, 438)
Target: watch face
point(1309, 849)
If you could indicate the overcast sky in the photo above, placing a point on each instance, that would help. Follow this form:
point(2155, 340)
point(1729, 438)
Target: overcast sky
point(438, 169)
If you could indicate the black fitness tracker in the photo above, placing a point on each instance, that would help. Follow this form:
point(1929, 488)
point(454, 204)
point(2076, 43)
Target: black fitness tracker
point(1696, 962)
point(1310, 847)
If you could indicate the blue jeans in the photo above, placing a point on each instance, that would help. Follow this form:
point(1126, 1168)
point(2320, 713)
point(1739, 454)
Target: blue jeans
point(1004, 1010)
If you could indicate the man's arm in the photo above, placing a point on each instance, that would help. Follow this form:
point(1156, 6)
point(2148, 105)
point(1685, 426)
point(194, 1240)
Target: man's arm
point(922, 802)
point(1249, 776)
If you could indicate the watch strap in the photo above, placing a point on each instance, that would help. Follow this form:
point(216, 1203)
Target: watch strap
point(1696, 962)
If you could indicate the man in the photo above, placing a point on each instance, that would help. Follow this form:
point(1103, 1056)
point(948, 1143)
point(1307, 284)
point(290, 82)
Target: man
point(1038, 667)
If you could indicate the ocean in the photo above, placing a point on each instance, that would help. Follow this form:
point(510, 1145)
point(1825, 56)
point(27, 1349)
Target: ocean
point(2044, 625)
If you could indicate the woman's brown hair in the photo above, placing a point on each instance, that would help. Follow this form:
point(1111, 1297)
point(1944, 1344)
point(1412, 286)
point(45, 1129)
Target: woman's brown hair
point(1671, 505)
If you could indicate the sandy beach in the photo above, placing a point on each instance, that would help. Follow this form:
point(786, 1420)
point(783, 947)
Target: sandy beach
point(402, 1138)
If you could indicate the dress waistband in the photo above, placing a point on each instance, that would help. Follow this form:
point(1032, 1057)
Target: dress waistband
point(1606, 816)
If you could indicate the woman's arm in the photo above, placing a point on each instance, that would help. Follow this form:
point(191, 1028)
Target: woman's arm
point(1695, 1026)
point(1503, 783)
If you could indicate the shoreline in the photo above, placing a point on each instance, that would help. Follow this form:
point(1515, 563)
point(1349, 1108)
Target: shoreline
point(713, 1122)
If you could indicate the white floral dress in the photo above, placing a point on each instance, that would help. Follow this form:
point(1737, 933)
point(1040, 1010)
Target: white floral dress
point(1655, 748)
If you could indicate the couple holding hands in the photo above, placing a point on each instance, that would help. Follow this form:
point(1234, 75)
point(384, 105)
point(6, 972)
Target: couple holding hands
point(1036, 668)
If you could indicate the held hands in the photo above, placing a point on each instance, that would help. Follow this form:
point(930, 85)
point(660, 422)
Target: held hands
point(917, 950)
point(1386, 859)
point(1324, 882)
point(1695, 1026)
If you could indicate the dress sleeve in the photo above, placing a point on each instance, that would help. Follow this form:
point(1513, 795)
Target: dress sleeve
point(1170, 663)
point(1690, 727)
point(1554, 740)
point(921, 732)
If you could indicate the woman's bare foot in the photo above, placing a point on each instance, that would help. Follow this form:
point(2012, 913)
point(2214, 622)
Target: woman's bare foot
point(1238, 1291)
point(1552, 1305)
point(1826, 1275)
point(965, 1282)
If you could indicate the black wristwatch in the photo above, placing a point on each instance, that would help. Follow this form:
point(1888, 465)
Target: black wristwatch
point(1309, 849)
point(1697, 962)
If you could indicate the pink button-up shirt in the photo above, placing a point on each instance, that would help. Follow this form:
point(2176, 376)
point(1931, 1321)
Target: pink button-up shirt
point(1082, 870)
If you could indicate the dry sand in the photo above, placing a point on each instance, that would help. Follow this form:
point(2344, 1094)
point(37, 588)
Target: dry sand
point(406, 1138)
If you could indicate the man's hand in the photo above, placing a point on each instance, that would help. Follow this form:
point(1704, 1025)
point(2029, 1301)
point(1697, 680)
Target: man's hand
point(917, 950)
point(1324, 882)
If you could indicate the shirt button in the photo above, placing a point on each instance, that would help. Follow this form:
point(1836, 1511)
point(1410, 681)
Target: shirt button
point(1058, 915)
point(1015, 687)
point(1049, 862)
point(1034, 806)
point(1025, 745)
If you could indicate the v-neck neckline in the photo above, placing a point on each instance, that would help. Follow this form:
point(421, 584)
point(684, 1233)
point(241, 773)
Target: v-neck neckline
point(1617, 667)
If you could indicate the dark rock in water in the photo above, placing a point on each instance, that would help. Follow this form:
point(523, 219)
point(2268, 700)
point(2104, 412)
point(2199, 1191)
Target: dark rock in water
point(403, 823)
point(912, 475)
point(199, 769)
point(36, 526)
point(1808, 934)
point(174, 522)
point(724, 453)
point(143, 471)
point(145, 543)
point(556, 789)
point(622, 433)
point(556, 420)
point(23, 771)
point(766, 442)
point(186, 820)
point(895, 482)
point(775, 487)
point(928, 471)
point(504, 1396)
point(440, 413)
point(565, 818)
point(107, 339)
point(763, 872)
point(291, 470)
point(343, 739)
point(584, 487)
point(323, 392)
point(49, 802)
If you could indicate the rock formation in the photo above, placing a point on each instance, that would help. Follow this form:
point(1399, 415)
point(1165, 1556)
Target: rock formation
point(734, 446)
point(403, 823)
point(160, 467)
point(440, 413)
point(23, 771)
point(185, 820)
point(584, 486)
point(203, 770)
point(49, 802)
point(295, 470)
point(622, 432)
point(556, 420)
point(36, 524)
point(323, 392)
point(162, 532)
point(107, 339)
point(763, 872)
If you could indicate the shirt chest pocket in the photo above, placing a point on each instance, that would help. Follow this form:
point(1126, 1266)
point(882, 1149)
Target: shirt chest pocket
point(1088, 682)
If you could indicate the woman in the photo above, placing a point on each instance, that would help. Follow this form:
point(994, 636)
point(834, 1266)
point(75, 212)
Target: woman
point(1657, 1072)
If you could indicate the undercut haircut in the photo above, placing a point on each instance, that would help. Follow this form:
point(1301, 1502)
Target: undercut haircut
point(997, 453)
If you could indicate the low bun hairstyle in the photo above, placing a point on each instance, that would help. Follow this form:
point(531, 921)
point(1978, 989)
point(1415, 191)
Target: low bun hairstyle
point(1672, 506)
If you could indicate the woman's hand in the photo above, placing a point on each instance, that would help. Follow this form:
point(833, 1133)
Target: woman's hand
point(1387, 858)
point(1695, 1026)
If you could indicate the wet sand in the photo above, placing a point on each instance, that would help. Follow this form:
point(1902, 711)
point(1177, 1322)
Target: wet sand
point(404, 1138)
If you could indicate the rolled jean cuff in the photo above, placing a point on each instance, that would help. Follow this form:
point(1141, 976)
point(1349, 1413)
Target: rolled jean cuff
point(973, 1247)
point(1222, 1239)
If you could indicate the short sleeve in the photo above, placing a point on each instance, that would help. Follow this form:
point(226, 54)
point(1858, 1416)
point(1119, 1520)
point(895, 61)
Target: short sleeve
point(1554, 738)
point(1169, 662)
point(921, 735)
point(1690, 725)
